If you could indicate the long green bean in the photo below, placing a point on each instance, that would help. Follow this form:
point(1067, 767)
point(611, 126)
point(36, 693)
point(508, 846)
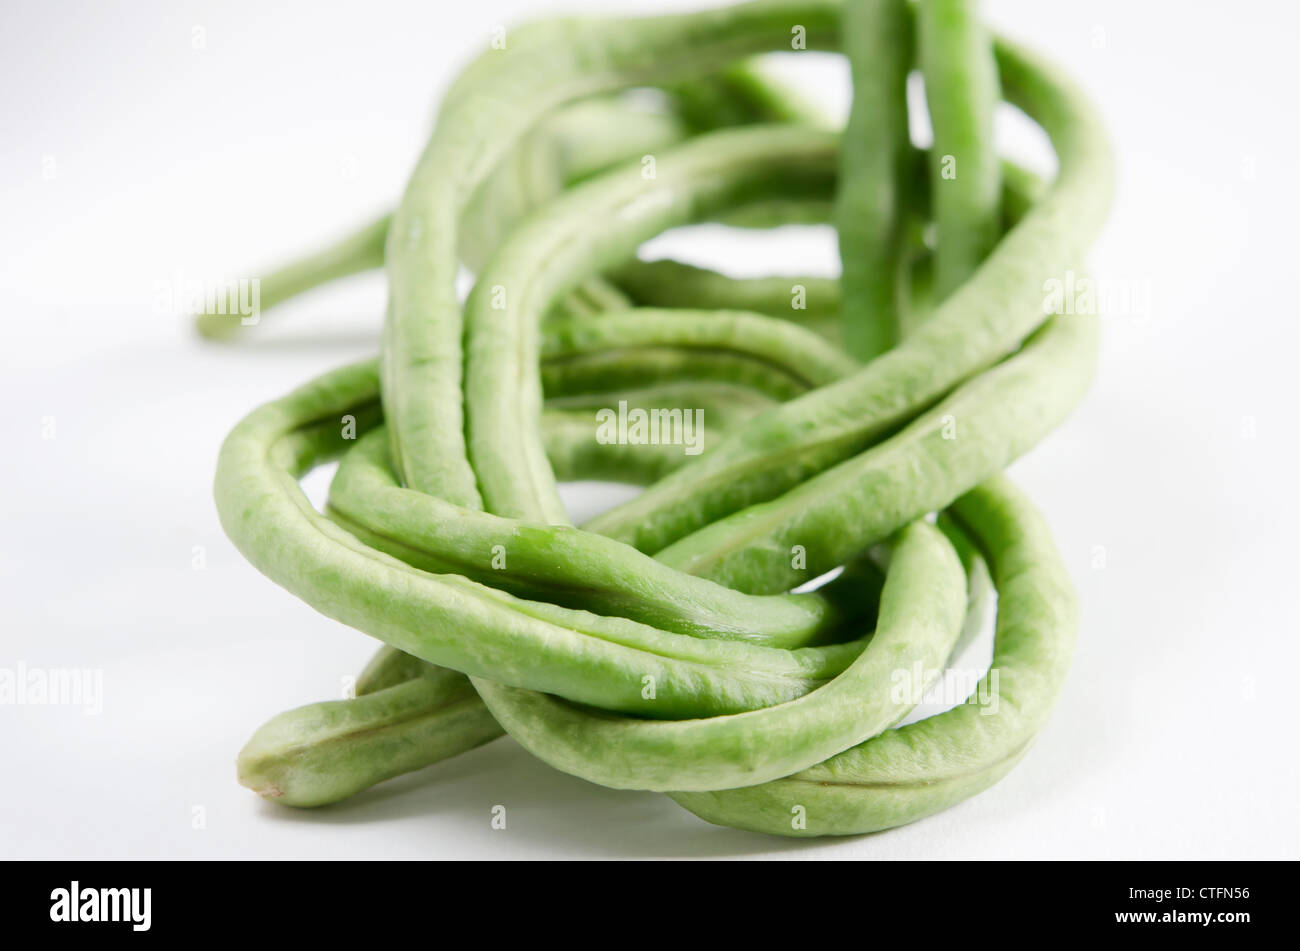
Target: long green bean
point(659, 646)
point(961, 84)
point(905, 774)
point(871, 206)
point(982, 322)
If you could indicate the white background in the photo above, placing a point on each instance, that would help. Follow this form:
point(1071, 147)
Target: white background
point(130, 159)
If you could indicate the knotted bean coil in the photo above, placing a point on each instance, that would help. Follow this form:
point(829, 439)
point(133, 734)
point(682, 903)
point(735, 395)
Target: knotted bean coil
point(657, 646)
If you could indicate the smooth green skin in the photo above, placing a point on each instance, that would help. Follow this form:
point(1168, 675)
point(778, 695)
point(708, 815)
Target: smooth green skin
point(974, 616)
point(533, 173)
point(557, 245)
point(871, 203)
point(906, 774)
point(955, 55)
point(791, 348)
point(571, 240)
point(363, 252)
point(1007, 408)
point(973, 328)
point(662, 283)
point(741, 94)
point(407, 715)
point(486, 114)
point(556, 249)
point(591, 136)
point(980, 593)
point(975, 432)
point(563, 565)
point(921, 611)
point(724, 405)
point(884, 782)
point(574, 567)
point(363, 748)
point(295, 451)
point(324, 752)
point(551, 252)
point(283, 762)
point(669, 283)
point(364, 776)
point(594, 297)
point(564, 149)
point(611, 733)
point(596, 373)
point(576, 456)
point(298, 782)
point(389, 667)
point(585, 138)
point(568, 146)
point(573, 144)
point(453, 622)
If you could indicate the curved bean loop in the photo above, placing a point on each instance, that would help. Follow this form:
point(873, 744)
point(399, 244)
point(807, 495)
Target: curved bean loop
point(748, 748)
point(905, 774)
point(558, 61)
point(572, 144)
point(975, 432)
point(452, 621)
point(660, 646)
point(552, 252)
point(981, 323)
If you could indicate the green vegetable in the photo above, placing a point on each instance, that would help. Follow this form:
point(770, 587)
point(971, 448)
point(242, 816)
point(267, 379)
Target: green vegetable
point(660, 645)
point(871, 204)
point(906, 774)
point(961, 86)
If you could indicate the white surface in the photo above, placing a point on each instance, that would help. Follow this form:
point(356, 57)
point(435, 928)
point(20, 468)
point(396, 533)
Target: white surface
point(1174, 737)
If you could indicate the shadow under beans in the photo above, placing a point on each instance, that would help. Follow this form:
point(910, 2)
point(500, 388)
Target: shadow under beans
point(547, 811)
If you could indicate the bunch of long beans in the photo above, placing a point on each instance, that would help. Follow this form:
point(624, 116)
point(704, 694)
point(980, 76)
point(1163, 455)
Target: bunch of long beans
point(658, 646)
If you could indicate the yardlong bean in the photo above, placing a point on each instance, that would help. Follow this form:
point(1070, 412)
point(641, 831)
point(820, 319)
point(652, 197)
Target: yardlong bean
point(552, 253)
point(422, 365)
point(870, 206)
point(572, 144)
point(961, 85)
point(905, 774)
point(659, 646)
point(979, 324)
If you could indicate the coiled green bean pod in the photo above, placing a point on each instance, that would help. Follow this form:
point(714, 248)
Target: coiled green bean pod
point(659, 646)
